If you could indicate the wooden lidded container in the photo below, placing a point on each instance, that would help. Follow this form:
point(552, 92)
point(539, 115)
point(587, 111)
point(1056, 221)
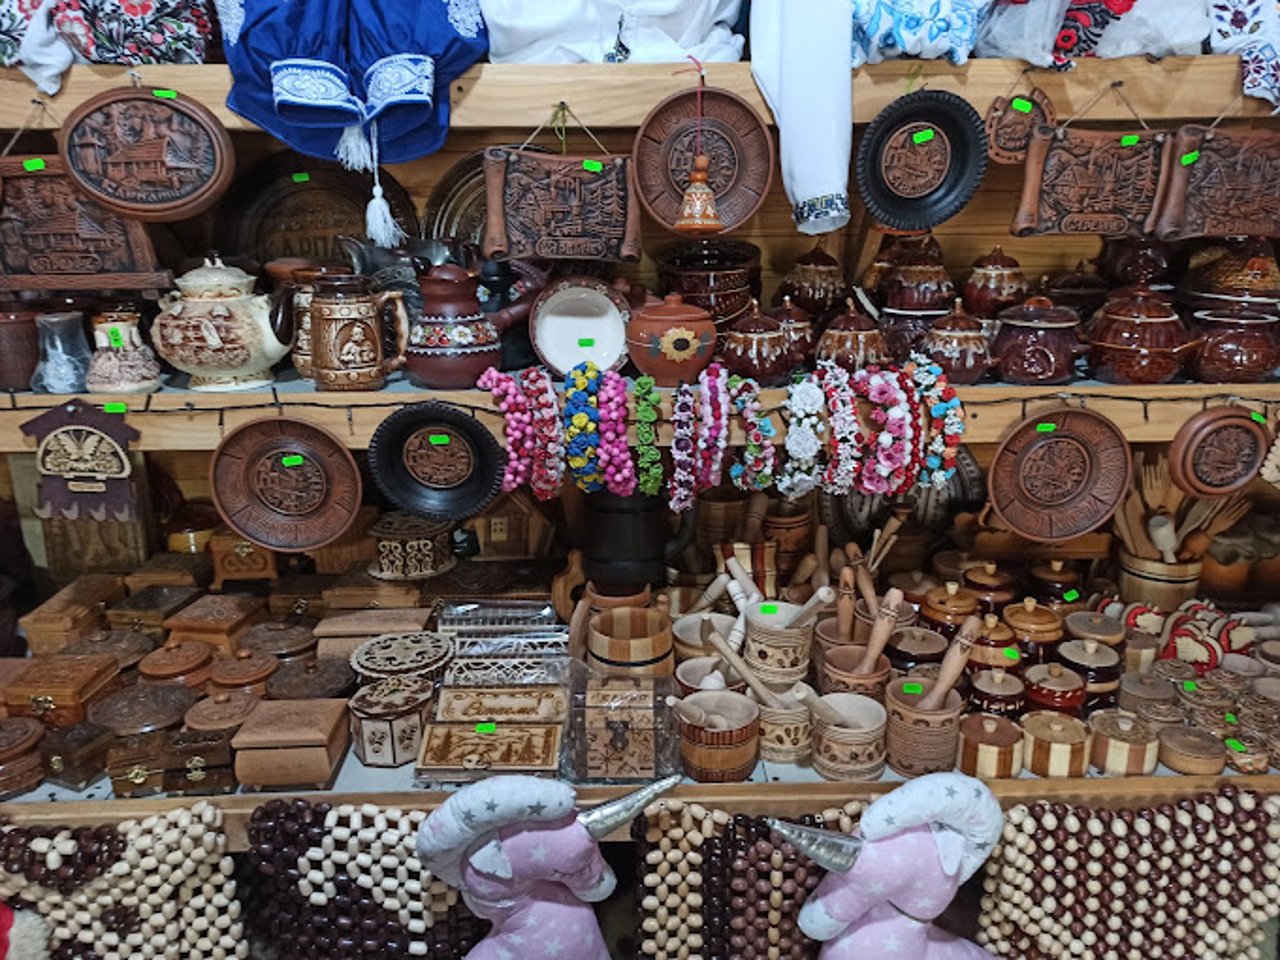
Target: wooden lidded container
point(1051, 686)
point(176, 569)
point(1123, 745)
point(911, 647)
point(997, 692)
point(59, 689)
point(1192, 751)
point(73, 612)
point(1037, 628)
point(319, 679)
point(1249, 753)
point(248, 671)
point(198, 763)
point(127, 646)
point(142, 708)
point(76, 757)
point(725, 755)
point(146, 610)
point(292, 743)
point(1139, 688)
point(1055, 745)
point(1100, 667)
point(626, 731)
point(387, 719)
point(222, 711)
point(631, 642)
point(235, 558)
point(179, 664)
point(286, 640)
point(855, 751)
point(995, 648)
point(990, 747)
point(1088, 625)
point(946, 607)
point(299, 595)
point(1161, 714)
point(217, 620)
point(786, 732)
point(357, 590)
point(20, 767)
point(920, 741)
point(994, 588)
point(1052, 583)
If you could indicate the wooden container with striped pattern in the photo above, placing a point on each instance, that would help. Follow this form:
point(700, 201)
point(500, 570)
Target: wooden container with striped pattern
point(631, 642)
point(1192, 751)
point(990, 747)
point(1123, 744)
point(721, 755)
point(1055, 745)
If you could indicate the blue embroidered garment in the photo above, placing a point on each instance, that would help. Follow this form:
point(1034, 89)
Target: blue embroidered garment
point(884, 29)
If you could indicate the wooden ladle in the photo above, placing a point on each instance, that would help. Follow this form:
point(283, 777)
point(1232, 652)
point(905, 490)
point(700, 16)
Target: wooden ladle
point(881, 631)
point(953, 665)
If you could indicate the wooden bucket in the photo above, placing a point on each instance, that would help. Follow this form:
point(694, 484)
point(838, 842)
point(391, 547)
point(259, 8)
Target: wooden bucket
point(793, 533)
point(863, 620)
point(775, 653)
point(1158, 584)
point(921, 741)
point(688, 634)
point(835, 673)
point(721, 515)
point(990, 747)
point(786, 734)
point(690, 673)
point(631, 642)
point(855, 752)
point(721, 756)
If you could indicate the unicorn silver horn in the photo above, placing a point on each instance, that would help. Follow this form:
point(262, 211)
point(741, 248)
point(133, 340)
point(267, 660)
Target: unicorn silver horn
point(602, 820)
point(834, 851)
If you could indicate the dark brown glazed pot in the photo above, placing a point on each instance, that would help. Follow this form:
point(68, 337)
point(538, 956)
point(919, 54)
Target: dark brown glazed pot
point(995, 283)
point(852, 340)
point(945, 608)
point(904, 330)
point(798, 326)
point(454, 341)
point(757, 346)
point(720, 276)
point(1083, 290)
point(1051, 686)
point(1140, 339)
point(993, 587)
point(19, 346)
point(1243, 275)
point(1099, 665)
point(1037, 628)
point(956, 342)
point(670, 340)
point(1126, 261)
point(997, 691)
point(1037, 344)
point(1235, 346)
point(918, 281)
point(893, 247)
point(815, 284)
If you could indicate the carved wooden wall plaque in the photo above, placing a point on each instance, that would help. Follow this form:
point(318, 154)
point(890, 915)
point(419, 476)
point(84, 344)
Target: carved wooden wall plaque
point(1221, 182)
point(83, 460)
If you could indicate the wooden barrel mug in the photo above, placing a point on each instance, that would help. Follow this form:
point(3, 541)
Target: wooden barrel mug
point(631, 642)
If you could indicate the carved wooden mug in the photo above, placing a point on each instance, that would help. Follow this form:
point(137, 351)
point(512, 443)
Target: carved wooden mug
point(346, 333)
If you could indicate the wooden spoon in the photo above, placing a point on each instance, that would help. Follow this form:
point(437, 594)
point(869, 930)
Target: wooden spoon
point(881, 631)
point(953, 665)
point(730, 656)
point(819, 707)
point(845, 603)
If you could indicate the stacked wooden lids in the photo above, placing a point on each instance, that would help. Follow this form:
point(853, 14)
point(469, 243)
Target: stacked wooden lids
point(1193, 751)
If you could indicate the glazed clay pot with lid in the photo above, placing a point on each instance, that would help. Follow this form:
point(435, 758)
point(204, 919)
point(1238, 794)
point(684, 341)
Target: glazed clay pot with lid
point(1037, 628)
point(995, 283)
point(1236, 346)
point(918, 281)
point(797, 324)
point(816, 282)
point(757, 347)
point(997, 691)
point(1140, 339)
point(1245, 275)
point(995, 647)
point(945, 608)
point(852, 340)
point(1037, 344)
point(1083, 290)
point(1051, 686)
point(958, 344)
point(993, 587)
point(671, 341)
point(1133, 260)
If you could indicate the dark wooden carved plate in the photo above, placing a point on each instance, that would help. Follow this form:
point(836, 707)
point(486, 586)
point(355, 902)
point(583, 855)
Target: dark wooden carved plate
point(285, 484)
point(1218, 451)
point(921, 160)
point(435, 461)
point(294, 206)
point(1011, 121)
point(1060, 475)
point(734, 138)
point(153, 155)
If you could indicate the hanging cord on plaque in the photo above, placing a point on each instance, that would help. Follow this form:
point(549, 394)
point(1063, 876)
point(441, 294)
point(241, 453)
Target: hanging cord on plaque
point(39, 107)
point(1092, 101)
point(1235, 102)
point(559, 123)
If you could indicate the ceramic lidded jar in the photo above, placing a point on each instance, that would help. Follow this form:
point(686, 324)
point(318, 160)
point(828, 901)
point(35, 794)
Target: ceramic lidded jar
point(995, 647)
point(945, 608)
point(816, 283)
point(995, 283)
point(1244, 276)
point(1082, 290)
point(1133, 260)
point(671, 341)
point(122, 361)
point(1037, 344)
point(346, 333)
point(957, 343)
point(1140, 339)
point(453, 342)
point(19, 346)
point(1099, 665)
point(1051, 686)
point(997, 691)
point(1057, 586)
point(993, 587)
point(757, 346)
point(1236, 346)
point(1037, 628)
point(221, 333)
point(917, 291)
point(798, 326)
point(852, 340)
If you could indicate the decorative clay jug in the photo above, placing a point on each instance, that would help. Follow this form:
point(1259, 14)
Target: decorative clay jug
point(454, 341)
point(346, 333)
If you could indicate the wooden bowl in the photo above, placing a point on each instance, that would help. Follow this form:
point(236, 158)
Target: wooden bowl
point(688, 634)
point(690, 673)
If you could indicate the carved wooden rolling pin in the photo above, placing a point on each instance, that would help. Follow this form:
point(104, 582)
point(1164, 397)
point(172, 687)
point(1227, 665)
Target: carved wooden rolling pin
point(845, 602)
point(696, 715)
point(822, 550)
point(812, 607)
point(763, 693)
point(818, 707)
point(715, 590)
point(952, 665)
point(867, 587)
point(881, 631)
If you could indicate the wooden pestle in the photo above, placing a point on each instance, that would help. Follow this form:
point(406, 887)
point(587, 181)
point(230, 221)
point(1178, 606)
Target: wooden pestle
point(578, 624)
point(742, 579)
point(838, 561)
point(822, 550)
point(804, 570)
point(845, 602)
point(824, 597)
point(763, 693)
point(741, 599)
point(1163, 537)
point(738, 632)
point(757, 507)
point(696, 715)
point(715, 590)
point(818, 707)
point(952, 665)
point(881, 631)
point(867, 587)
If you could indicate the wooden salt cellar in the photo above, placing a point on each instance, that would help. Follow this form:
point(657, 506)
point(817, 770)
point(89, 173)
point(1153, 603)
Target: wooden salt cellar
point(996, 648)
point(219, 621)
point(1192, 751)
point(1055, 744)
point(946, 608)
point(59, 689)
point(73, 612)
point(990, 747)
point(235, 558)
point(1037, 628)
point(1123, 745)
point(292, 743)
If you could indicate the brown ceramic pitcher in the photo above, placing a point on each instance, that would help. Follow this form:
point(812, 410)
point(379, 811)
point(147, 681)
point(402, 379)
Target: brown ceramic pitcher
point(346, 333)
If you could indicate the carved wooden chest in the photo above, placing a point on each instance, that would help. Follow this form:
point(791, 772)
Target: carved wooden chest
point(292, 743)
point(235, 558)
point(59, 689)
point(73, 612)
point(620, 727)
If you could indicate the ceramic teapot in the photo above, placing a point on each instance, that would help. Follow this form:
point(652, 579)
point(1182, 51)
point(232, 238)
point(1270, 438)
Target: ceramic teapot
point(217, 330)
point(453, 342)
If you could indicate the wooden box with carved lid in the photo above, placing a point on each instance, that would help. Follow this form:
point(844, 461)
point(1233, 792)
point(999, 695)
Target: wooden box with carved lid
point(59, 689)
point(300, 595)
point(73, 612)
point(221, 711)
point(10, 669)
point(619, 728)
point(247, 672)
point(147, 609)
point(235, 558)
point(323, 678)
point(219, 621)
point(285, 638)
point(172, 569)
point(175, 762)
point(339, 634)
point(127, 646)
point(357, 590)
point(387, 719)
point(179, 663)
point(292, 743)
point(411, 548)
point(76, 756)
point(20, 768)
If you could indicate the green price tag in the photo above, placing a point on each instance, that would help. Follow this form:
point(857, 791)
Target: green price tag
point(912, 688)
point(1011, 653)
point(586, 342)
point(1071, 596)
point(486, 728)
point(34, 164)
point(439, 439)
point(1046, 427)
point(1022, 105)
point(301, 177)
point(293, 461)
point(1189, 158)
point(165, 94)
point(768, 608)
point(1231, 718)
point(113, 335)
point(1235, 745)
point(115, 408)
point(595, 166)
point(1188, 685)
point(922, 136)
point(1258, 417)
point(1129, 140)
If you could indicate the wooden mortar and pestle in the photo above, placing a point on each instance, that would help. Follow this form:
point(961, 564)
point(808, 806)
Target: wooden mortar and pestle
point(850, 668)
point(697, 716)
point(799, 588)
point(819, 708)
point(730, 656)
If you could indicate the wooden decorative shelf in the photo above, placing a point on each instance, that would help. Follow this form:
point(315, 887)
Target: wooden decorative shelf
point(620, 95)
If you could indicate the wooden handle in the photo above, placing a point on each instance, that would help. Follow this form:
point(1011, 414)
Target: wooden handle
point(822, 598)
point(715, 590)
point(696, 715)
point(662, 603)
point(888, 536)
point(763, 693)
point(737, 633)
point(836, 562)
point(881, 631)
point(845, 603)
point(822, 550)
point(741, 577)
point(740, 599)
point(818, 707)
point(754, 520)
point(952, 665)
point(867, 587)
point(804, 571)
point(578, 629)
point(886, 547)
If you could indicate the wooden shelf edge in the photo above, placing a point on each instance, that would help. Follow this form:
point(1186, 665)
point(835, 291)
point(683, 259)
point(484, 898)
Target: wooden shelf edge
point(754, 799)
point(620, 95)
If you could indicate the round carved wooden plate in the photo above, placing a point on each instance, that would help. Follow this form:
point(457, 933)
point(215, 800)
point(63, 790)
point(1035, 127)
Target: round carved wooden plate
point(1060, 475)
point(18, 735)
point(734, 138)
point(285, 484)
point(402, 655)
point(921, 160)
point(1011, 121)
point(1218, 451)
point(147, 154)
point(436, 461)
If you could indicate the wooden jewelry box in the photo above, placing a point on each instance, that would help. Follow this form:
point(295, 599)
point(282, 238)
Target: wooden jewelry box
point(469, 751)
point(292, 743)
point(20, 769)
point(620, 733)
point(300, 594)
point(387, 718)
point(172, 569)
point(357, 590)
point(76, 756)
point(59, 689)
point(235, 558)
point(339, 634)
point(127, 646)
point(73, 612)
point(146, 610)
point(219, 621)
point(178, 663)
point(10, 669)
point(247, 672)
point(286, 638)
point(176, 762)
